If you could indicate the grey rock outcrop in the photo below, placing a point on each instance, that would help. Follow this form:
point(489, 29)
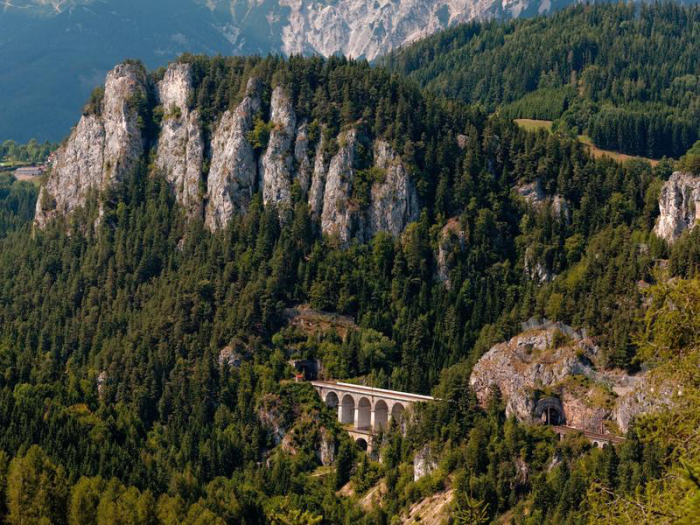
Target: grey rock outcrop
point(424, 463)
point(326, 448)
point(277, 163)
point(232, 176)
point(318, 182)
point(679, 206)
point(536, 269)
point(338, 215)
point(180, 153)
point(394, 202)
point(555, 358)
point(301, 157)
point(532, 192)
point(560, 208)
point(100, 151)
point(645, 397)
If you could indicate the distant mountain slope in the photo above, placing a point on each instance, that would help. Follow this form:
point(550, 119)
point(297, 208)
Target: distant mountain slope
point(49, 64)
point(53, 52)
point(627, 75)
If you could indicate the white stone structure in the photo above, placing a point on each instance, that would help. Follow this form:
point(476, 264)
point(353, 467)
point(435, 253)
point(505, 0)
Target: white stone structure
point(365, 409)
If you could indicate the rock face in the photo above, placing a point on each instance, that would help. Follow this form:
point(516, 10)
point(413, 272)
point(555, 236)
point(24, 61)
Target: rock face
point(551, 359)
point(107, 145)
point(394, 202)
point(359, 28)
point(180, 153)
point(301, 156)
point(337, 215)
point(318, 183)
point(679, 204)
point(532, 192)
point(424, 463)
point(326, 448)
point(535, 269)
point(276, 164)
point(232, 176)
point(100, 151)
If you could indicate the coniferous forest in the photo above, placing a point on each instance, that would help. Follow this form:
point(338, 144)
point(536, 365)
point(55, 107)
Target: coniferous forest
point(116, 406)
point(624, 74)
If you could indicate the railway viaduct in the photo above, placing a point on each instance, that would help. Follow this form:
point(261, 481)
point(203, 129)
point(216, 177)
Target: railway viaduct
point(366, 410)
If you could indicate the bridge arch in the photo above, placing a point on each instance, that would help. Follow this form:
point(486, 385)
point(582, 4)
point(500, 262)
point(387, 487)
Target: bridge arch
point(362, 443)
point(381, 414)
point(364, 414)
point(332, 400)
point(347, 412)
point(397, 412)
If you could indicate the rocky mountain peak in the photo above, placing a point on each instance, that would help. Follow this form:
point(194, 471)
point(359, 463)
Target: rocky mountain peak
point(180, 153)
point(233, 174)
point(276, 165)
point(103, 147)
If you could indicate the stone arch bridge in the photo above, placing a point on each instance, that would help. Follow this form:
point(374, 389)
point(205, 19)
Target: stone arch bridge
point(366, 410)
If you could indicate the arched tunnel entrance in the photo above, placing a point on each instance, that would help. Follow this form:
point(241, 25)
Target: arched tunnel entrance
point(550, 411)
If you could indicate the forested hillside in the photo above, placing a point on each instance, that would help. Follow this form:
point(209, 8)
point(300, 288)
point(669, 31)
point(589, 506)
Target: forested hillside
point(624, 74)
point(117, 404)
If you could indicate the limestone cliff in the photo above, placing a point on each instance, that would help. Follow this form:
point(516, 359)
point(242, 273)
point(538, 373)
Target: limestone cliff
point(180, 153)
point(394, 202)
point(679, 206)
point(100, 151)
point(277, 163)
point(338, 212)
point(391, 204)
point(318, 183)
point(351, 197)
point(232, 176)
point(551, 359)
point(301, 157)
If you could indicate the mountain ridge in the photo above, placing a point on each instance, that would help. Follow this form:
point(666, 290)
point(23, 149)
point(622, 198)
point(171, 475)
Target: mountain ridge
point(56, 52)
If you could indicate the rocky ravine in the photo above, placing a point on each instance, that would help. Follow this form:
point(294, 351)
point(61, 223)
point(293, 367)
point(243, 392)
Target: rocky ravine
point(104, 147)
point(553, 360)
point(679, 206)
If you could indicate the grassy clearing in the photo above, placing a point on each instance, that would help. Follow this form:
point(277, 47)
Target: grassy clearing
point(535, 125)
point(619, 157)
point(530, 124)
